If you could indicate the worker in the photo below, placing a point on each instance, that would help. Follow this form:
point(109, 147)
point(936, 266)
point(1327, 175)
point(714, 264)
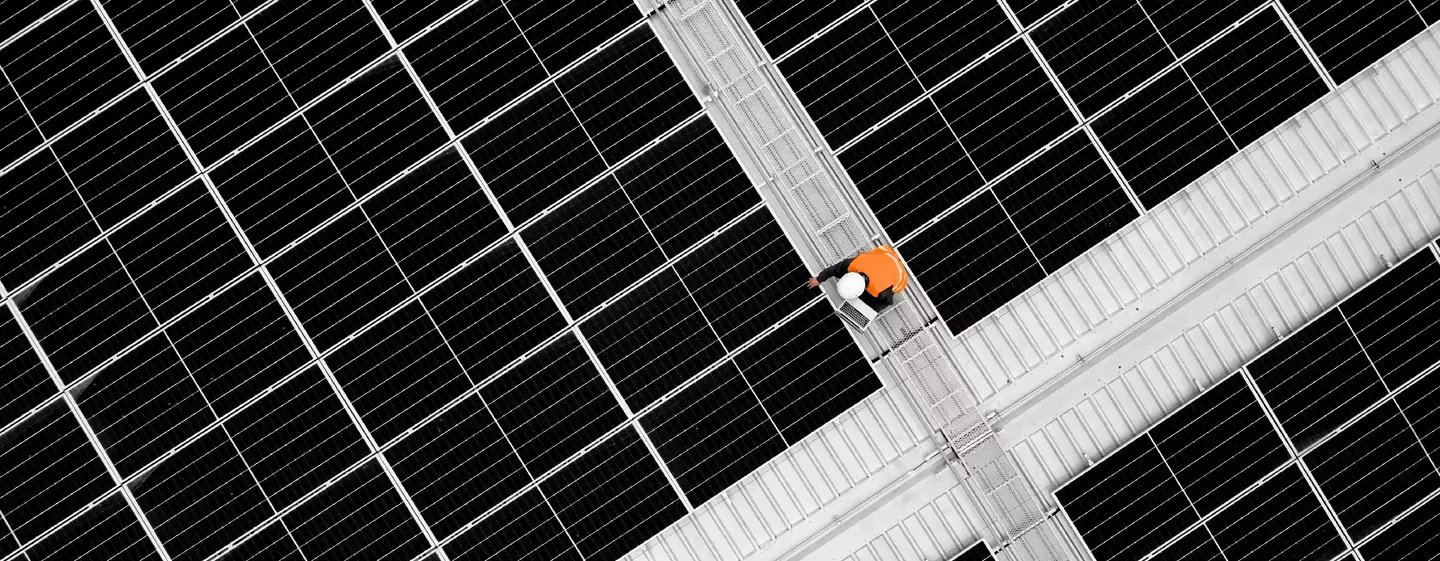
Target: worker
point(874, 277)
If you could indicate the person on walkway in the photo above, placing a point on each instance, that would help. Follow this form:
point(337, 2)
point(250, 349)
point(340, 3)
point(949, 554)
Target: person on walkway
point(874, 277)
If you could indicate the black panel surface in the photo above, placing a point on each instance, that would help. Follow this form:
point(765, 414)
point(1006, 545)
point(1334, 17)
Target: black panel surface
point(744, 280)
point(398, 372)
point(434, 218)
point(361, 516)
point(1065, 201)
point(1128, 504)
point(123, 158)
point(238, 344)
point(553, 404)
point(562, 31)
point(18, 134)
point(1316, 379)
point(1194, 546)
point(1373, 471)
point(1187, 24)
point(940, 38)
point(687, 186)
point(473, 64)
point(1416, 536)
point(180, 250)
point(593, 246)
point(272, 544)
point(66, 67)
point(457, 466)
point(494, 311)
point(1255, 77)
point(534, 154)
point(1219, 444)
point(1397, 318)
point(16, 14)
point(1421, 404)
point(202, 498)
point(223, 96)
point(296, 438)
point(405, 18)
point(160, 31)
point(108, 531)
point(652, 340)
point(1350, 35)
point(1429, 9)
point(524, 530)
point(25, 384)
point(613, 498)
point(376, 126)
point(50, 471)
point(1030, 11)
point(85, 312)
point(143, 405)
point(281, 187)
point(1281, 520)
point(911, 169)
point(44, 217)
point(850, 78)
point(975, 260)
point(807, 372)
point(977, 552)
point(340, 279)
point(628, 94)
point(1163, 138)
point(1101, 49)
point(315, 45)
point(713, 433)
point(783, 25)
point(1004, 109)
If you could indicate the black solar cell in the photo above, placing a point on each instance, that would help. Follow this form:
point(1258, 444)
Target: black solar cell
point(85, 312)
point(340, 279)
point(1030, 11)
point(939, 38)
point(1101, 49)
point(1280, 520)
point(224, 95)
point(1065, 201)
point(405, 18)
point(972, 262)
point(66, 68)
point(123, 158)
point(713, 433)
point(534, 154)
point(316, 45)
point(18, 134)
point(1194, 546)
point(281, 187)
point(473, 64)
point(296, 438)
point(524, 530)
point(1004, 109)
point(8, 544)
point(1163, 138)
point(398, 372)
point(1128, 504)
point(44, 219)
point(652, 340)
point(745, 279)
point(613, 498)
point(1186, 24)
point(457, 466)
point(783, 25)
point(1348, 36)
point(180, 250)
point(807, 372)
point(1421, 404)
point(851, 78)
point(561, 31)
point(1255, 77)
point(271, 544)
point(977, 552)
point(51, 471)
point(360, 516)
point(1418, 533)
point(1429, 9)
point(494, 311)
point(159, 31)
point(627, 95)
point(26, 384)
point(911, 169)
point(1397, 319)
point(1373, 471)
point(553, 404)
point(16, 14)
point(108, 531)
point(143, 405)
point(238, 344)
point(202, 498)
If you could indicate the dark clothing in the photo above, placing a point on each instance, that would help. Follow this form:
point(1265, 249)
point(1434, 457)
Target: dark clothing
point(877, 303)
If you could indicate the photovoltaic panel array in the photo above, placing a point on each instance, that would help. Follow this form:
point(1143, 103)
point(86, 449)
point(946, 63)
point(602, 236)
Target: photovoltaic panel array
point(335, 280)
point(1076, 116)
point(1329, 433)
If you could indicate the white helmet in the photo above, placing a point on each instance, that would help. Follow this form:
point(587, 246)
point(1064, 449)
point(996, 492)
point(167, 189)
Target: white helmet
point(851, 285)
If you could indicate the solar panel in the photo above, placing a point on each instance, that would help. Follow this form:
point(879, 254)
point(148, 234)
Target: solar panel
point(1281, 519)
point(16, 15)
point(1414, 533)
point(1100, 50)
point(52, 471)
point(19, 133)
point(939, 39)
point(25, 385)
point(1129, 505)
point(108, 530)
point(359, 516)
point(1373, 470)
point(524, 530)
point(313, 46)
point(1397, 319)
point(782, 25)
point(1348, 40)
point(1198, 545)
point(473, 64)
point(46, 219)
point(66, 67)
point(201, 498)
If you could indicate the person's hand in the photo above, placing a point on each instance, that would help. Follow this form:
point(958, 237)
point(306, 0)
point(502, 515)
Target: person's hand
point(812, 283)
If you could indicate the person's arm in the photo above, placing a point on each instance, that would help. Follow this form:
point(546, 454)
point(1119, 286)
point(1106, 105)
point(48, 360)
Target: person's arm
point(835, 270)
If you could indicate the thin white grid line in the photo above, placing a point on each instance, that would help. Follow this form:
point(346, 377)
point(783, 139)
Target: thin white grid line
point(1381, 375)
point(1304, 44)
